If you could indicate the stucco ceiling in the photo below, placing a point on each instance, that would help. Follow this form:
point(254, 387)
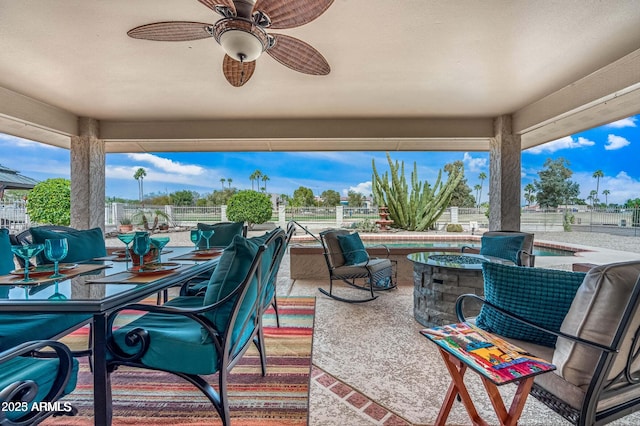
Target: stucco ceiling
point(402, 72)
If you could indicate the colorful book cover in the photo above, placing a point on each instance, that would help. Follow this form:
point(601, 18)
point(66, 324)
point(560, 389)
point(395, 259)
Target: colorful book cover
point(498, 360)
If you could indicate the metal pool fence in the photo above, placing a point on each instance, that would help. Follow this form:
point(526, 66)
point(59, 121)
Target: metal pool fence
point(613, 221)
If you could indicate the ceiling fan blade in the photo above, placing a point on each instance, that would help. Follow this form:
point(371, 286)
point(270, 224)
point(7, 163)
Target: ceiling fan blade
point(171, 31)
point(211, 4)
point(298, 55)
point(237, 73)
point(291, 13)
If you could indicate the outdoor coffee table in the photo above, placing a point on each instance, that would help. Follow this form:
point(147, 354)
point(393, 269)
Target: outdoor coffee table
point(497, 362)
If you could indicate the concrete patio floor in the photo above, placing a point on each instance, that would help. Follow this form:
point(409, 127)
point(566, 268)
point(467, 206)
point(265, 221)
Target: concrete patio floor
point(371, 366)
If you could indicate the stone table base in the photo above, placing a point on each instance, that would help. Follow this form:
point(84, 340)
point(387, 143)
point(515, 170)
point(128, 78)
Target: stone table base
point(436, 289)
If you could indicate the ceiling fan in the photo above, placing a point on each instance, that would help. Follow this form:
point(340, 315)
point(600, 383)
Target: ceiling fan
point(242, 34)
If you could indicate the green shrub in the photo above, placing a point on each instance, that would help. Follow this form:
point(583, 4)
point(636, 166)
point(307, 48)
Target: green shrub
point(49, 202)
point(249, 206)
point(454, 227)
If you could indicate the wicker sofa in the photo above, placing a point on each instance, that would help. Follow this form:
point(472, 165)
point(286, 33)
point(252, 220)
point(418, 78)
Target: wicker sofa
point(597, 349)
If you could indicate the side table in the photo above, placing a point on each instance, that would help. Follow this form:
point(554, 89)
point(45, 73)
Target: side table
point(498, 362)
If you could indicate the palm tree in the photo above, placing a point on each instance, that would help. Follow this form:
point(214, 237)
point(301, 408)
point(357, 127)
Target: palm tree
point(593, 196)
point(477, 188)
point(482, 176)
point(265, 178)
point(529, 189)
point(606, 193)
point(139, 176)
point(256, 175)
point(229, 182)
point(222, 181)
point(597, 174)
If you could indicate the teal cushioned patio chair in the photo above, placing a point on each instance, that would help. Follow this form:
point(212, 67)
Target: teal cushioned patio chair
point(26, 380)
point(348, 261)
point(19, 327)
point(270, 297)
point(223, 234)
point(511, 245)
point(193, 341)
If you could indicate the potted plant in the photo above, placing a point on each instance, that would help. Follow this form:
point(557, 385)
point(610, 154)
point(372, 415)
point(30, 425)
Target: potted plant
point(125, 225)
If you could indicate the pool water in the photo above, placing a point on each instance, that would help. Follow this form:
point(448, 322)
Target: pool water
point(537, 250)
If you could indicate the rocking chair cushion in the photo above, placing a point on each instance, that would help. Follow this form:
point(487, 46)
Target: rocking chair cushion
point(352, 249)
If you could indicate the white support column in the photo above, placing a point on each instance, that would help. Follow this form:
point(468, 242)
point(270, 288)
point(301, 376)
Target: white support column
point(504, 180)
point(339, 216)
point(87, 176)
point(282, 216)
point(223, 214)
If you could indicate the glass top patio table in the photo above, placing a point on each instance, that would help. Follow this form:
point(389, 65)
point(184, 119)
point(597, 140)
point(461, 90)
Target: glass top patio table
point(98, 299)
point(79, 294)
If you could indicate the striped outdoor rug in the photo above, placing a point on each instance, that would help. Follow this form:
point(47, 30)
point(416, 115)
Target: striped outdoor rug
point(144, 397)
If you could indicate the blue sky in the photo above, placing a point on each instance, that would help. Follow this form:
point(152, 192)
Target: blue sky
point(613, 148)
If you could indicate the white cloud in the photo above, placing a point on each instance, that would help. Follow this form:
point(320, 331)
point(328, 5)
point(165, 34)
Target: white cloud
point(621, 186)
point(363, 188)
point(25, 143)
point(168, 165)
point(625, 122)
point(568, 142)
point(615, 142)
point(474, 164)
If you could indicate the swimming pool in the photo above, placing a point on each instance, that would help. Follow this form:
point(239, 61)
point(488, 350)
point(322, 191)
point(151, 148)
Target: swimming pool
point(391, 242)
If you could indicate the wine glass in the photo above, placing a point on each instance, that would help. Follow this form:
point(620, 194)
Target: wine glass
point(196, 236)
point(207, 234)
point(159, 243)
point(126, 239)
point(56, 250)
point(141, 246)
point(26, 252)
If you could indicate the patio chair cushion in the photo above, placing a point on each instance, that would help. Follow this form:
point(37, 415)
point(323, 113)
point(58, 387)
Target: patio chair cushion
point(41, 371)
point(17, 328)
point(83, 244)
point(352, 249)
point(502, 246)
point(542, 296)
point(6, 255)
point(232, 269)
point(595, 313)
point(175, 342)
point(223, 233)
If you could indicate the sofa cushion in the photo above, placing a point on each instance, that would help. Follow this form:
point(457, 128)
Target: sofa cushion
point(352, 249)
point(594, 315)
point(83, 244)
point(542, 296)
point(223, 233)
point(502, 246)
point(6, 255)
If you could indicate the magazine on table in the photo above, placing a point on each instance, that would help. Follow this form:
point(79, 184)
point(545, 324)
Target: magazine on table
point(493, 357)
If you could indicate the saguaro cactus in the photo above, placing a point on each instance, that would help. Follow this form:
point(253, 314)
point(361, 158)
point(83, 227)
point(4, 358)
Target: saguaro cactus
point(416, 208)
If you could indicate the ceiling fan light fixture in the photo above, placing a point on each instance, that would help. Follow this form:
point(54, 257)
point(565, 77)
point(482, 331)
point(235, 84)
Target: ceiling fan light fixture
point(241, 39)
